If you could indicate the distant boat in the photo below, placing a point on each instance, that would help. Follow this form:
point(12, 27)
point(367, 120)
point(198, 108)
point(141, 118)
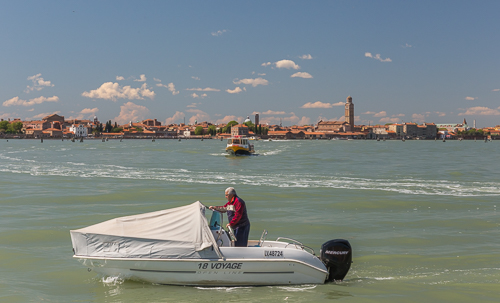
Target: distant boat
point(239, 145)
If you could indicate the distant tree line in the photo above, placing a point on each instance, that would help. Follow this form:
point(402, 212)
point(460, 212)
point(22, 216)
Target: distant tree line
point(11, 128)
point(472, 133)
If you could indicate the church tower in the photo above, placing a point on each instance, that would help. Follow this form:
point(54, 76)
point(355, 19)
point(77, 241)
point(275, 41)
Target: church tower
point(349, 112)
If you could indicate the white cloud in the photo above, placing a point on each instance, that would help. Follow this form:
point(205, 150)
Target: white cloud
point(195, 78)
point(301, 75)
point(147, 93)
point(141, 79)
point(380, 114)
point(198, 117)
point(293, 119)
point(377, 57)
point(43, 115)
point(470, 98)
point(288, 64)
point(5, 116)
point(496, 90)
point(219, 32)
point(90, 111)
point(407, 45)
point(237, 90)
point(193, 105)
point(16, 101)
point(157, 80)
point(390, 120)
point(272, 112)
point(131, 112)
point(176, 118)
point(418, 118)
point(481, 111)
point(38, 83)
point(226, 119)
point(306, 57)
point(304, 121)
point(266, 64)
point(253, 82)
point(440, 114)
point(261, 74)
point(319, 104)
point(119, 78)
point(170, 87)
point(195, 95)
point(206, 89)
point(113, 91)
point(85, 113)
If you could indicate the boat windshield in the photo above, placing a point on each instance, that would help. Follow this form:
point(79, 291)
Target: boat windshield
point(236, 141)
point(216, 220)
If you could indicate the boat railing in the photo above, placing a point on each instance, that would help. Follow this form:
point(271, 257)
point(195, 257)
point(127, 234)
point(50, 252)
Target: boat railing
point(295, 242)
point(231, 234)
point(262, 238)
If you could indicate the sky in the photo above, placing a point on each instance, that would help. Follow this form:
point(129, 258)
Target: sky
point(292, 62)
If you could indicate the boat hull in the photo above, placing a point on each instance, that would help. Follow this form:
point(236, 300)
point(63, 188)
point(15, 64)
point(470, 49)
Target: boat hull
point(237, 150)
point(299, 267)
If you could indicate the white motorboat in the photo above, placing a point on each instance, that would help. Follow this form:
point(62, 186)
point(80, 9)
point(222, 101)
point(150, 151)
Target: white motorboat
point(239, 145)
point(179, 246)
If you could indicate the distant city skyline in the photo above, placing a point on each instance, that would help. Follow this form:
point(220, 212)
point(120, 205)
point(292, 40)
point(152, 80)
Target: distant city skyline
point(289, 61)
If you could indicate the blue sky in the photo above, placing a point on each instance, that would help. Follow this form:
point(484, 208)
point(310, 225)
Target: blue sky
point(289, 61)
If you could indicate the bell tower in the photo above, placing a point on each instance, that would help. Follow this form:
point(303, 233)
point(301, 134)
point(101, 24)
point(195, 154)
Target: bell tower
point(349, 112)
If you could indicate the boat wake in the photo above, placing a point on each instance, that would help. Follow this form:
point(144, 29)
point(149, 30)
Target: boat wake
point(225, 289)
point(410, 186)
point(112, 280)
point(298, 288)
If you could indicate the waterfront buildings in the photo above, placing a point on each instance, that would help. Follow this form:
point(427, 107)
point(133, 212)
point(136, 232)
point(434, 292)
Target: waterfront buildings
point(55, 126)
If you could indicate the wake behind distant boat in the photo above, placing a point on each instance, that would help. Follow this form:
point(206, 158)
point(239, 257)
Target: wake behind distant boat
point(179, 246)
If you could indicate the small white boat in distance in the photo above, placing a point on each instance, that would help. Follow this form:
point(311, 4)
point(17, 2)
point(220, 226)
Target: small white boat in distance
point(179, 247)
point(239, 145)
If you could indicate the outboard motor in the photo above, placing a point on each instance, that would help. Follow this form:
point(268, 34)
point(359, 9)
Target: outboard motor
point(337, 257)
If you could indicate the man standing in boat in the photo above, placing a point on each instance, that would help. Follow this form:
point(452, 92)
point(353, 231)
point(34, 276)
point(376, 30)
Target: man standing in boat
point(237, 215)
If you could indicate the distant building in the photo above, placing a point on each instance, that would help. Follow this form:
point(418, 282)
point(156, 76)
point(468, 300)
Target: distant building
point(332, 126)
point(413, 130)
point(257, 119)
point(79, 130)
point(454, 127)
point(151, 122)
point(239, 130)
point(349, 112)
point(54, 118)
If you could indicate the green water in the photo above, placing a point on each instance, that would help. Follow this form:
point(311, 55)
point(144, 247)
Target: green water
point(421, 215)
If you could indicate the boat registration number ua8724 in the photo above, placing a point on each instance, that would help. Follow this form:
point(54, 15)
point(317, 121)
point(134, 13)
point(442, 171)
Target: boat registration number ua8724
point(273, 253)
point(219, 265)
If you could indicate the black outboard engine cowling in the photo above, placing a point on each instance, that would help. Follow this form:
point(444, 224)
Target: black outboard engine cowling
point(337, 257)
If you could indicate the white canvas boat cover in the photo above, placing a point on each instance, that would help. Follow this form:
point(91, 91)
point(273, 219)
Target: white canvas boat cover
point(179, 233)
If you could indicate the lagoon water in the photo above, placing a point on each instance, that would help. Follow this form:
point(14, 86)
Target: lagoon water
point(422, 216)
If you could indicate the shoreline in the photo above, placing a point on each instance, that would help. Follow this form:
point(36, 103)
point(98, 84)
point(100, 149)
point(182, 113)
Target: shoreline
point(266, 139)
